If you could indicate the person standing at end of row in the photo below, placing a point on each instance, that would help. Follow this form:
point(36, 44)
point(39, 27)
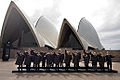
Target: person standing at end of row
point(109, 60)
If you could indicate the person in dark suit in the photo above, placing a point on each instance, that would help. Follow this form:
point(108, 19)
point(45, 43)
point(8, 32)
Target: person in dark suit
point(76, 60)
point(94, 59)
point(57, 60)
point(109, 60)
point(19, 61)
point(53, 56)
point(27, 60)
point(37, 59)
point(79, 55)
point(49, 59)
point(32, 53)
point(68, 58)
point(86, 60)
point(43, 58)
point(61, 59)
point(87, 52)
point(101, 60)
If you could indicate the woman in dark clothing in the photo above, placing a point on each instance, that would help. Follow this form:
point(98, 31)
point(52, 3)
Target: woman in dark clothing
point(20, 59)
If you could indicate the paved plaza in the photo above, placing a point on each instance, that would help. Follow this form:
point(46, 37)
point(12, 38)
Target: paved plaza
point(7, 67)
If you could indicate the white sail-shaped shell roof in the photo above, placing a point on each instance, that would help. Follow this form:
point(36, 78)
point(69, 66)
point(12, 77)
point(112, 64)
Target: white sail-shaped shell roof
point(88, 33)
point(48, 31)
point(12, 26)
point(18, 27)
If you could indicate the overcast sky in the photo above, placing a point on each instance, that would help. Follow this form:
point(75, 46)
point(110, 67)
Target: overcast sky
point(104, 15)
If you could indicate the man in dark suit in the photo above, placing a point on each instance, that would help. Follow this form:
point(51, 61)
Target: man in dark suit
point(61, 58)
point(53, 56)
point(76, 60)
point(68, 58)
point(109, 60)
point(88, 53)
point(101, 60)
point(79, 55)
point(57, 60)
point(43, 58)
point(27, 60)
point(94, 59)
point(86, 61)
point(32, 52)
point(49, 59)
point(20, 59)
point(37, 59)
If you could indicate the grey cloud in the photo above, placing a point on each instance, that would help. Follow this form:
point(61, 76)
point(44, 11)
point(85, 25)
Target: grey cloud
point(51, 13)
point(111, 25)
point(111, 41)
point(112, 17)
point(108, 26)
point(114, 36)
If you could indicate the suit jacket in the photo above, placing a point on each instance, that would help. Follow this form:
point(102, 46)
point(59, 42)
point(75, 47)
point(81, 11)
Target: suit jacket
point(109, 57)
point(20, 59)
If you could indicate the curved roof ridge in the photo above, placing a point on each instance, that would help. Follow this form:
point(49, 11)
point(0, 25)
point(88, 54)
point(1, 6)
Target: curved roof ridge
point(38, 20)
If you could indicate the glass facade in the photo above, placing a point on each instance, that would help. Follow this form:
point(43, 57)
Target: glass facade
point(69, 39)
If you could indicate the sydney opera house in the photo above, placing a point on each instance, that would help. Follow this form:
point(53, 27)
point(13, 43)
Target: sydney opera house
point(18, 30)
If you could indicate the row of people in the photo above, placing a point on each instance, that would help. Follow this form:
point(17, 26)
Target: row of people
point(52, 59)
point(100, 57)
